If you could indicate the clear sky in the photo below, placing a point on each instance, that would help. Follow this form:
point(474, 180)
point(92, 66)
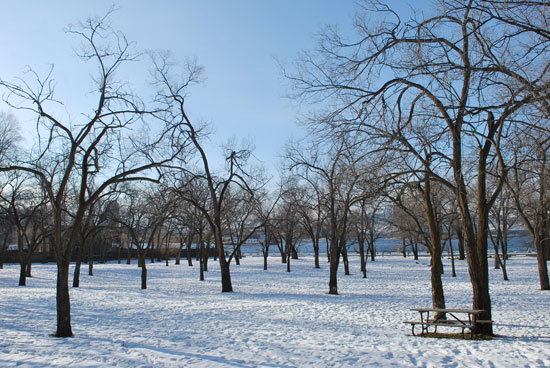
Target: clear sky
point(236, 41)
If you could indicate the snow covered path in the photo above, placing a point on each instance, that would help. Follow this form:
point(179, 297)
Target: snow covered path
point(273, 319)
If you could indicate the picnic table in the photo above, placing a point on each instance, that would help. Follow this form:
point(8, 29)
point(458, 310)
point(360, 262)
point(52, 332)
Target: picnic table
point(457, 318)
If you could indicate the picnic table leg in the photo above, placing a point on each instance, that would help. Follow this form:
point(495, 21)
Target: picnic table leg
point(412, 324)
point(471, 328)
point(424, 326)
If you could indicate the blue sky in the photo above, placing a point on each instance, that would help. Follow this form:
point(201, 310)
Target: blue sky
point(236, 41)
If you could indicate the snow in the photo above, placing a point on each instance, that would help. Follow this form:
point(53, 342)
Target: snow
point(273, 319)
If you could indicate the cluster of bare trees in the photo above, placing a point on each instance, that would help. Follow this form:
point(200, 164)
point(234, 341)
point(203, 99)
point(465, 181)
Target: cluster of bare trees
point(83, 173)
point(456, 98)
point(439, 124)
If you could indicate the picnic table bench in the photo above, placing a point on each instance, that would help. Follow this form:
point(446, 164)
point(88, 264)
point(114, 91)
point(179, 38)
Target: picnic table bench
point(459, 318)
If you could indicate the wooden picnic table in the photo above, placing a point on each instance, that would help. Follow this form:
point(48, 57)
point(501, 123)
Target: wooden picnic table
point(457, 318)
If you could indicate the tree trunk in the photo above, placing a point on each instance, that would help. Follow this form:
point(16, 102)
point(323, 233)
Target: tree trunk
point(78, 264)
point(288, 257)
point(334, 260)
point(178, 255)
point(224, 265)
point(414, 248)
point(201, 261)
point(541, 263)
point(189, 257)
point(362, 256)
point(294, 252)
point(282, 251)
point(143, 271)
point(344, 252)
point(372, 252)
point(63, 300)
point(237, 256)
point(129, 254)
point(22, 273)
point(476, 247)
point(29, 267)
point(452, 258)
point(76, 274)
point(438, 296)
point(205, 258)
point(460, 238)
point(226, 275)
point(91, 260)
point(328, 248)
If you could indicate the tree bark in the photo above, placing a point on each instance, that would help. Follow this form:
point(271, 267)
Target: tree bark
point(438, 296)
point(78, 264)
point(22, 273)
point(372, 252)
point(189, 257)
point(63, 300)
point(315, 240)
point(226, 275)
point(224, 265)
point(91, 260)
point(460, 238)
point(452, 258)
point(205, 259)
point(129, 254)
point(143, 271)
point(76, 274)
point(362, 256)
point(288, 257)
point(345, 259)
point(541, 263)
point(334, 260)
point(201, 261)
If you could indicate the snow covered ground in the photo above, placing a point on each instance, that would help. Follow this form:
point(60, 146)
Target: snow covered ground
point(273, 319)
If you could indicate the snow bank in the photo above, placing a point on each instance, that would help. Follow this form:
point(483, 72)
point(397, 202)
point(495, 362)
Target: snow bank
point(273, 319)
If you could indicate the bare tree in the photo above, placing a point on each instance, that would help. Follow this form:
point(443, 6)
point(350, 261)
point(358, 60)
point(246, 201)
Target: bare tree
point(143, 214)
point(97, 149)
point(287, 221)
point(465, 70)
point(241, 220)
point(529, 185)
point(266, 214)
point(9, 137)
point(502, 220)
point(339, 167)
point(312, 216)
point(28, 212)
point(171, 92)
point(364, 223)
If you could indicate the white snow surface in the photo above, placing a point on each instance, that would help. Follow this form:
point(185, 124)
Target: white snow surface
point(272, 319)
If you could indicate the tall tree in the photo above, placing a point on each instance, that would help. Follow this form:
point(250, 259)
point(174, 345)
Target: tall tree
point(27, 209)
point(529, 185)
point(97, 149)
point(464, 70)
point(171, 92)
point(340, 170)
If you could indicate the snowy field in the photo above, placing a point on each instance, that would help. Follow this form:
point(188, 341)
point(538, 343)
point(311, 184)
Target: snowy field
point(273, 319)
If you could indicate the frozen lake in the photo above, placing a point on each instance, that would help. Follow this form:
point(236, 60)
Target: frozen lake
point(516, 244)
